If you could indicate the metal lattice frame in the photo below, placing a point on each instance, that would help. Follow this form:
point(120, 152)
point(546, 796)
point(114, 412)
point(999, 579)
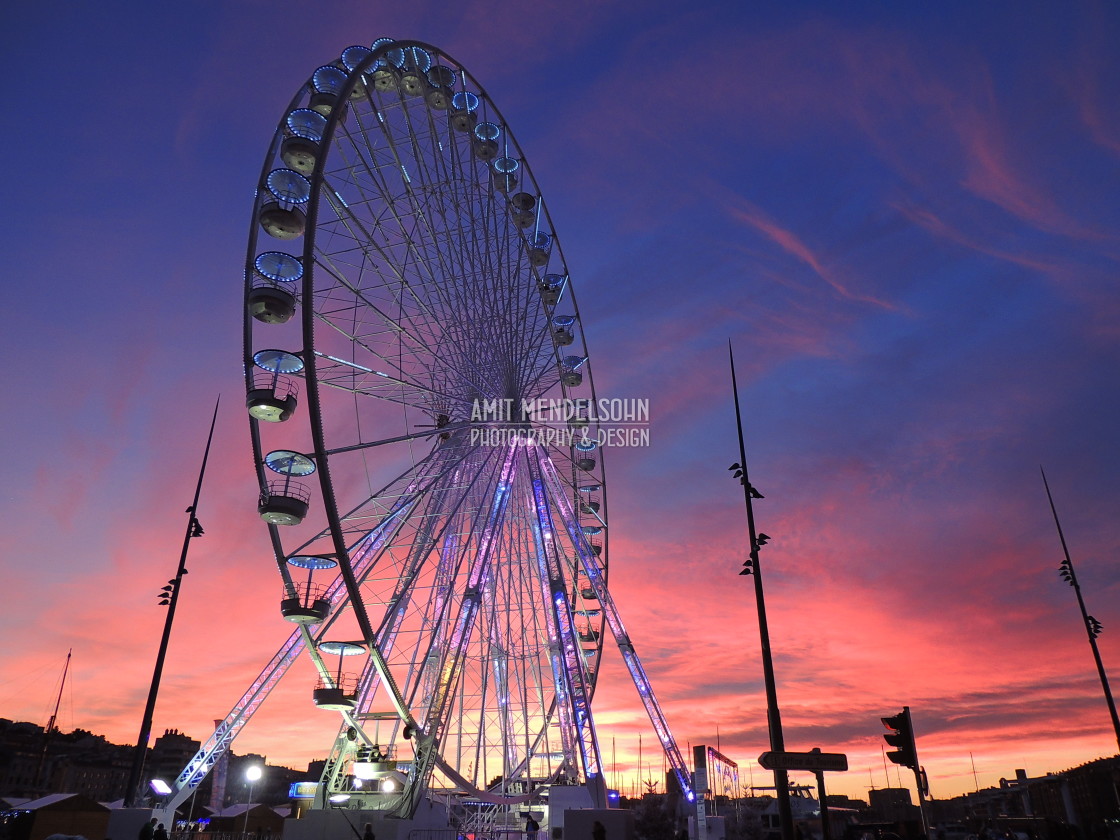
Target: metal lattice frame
point(433, 300)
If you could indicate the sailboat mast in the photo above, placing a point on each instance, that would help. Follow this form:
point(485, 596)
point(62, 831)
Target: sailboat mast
point(53, 719)
point(61, 687)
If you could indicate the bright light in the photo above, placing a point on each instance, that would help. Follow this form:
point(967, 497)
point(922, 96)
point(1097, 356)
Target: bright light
point(340, 797)
point(388, 785)
point(364, 770)
point(254, 773)
point(159, 787)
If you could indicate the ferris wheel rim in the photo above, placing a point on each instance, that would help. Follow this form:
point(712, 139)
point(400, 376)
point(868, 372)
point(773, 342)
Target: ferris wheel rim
point(376, 55)
point(322, 455)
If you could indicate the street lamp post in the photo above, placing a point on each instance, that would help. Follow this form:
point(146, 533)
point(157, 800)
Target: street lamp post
point(252, 774)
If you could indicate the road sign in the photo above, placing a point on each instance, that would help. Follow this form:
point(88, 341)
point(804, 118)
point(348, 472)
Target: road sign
point(813, 761)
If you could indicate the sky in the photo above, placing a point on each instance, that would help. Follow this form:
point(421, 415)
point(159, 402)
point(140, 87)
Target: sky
point(903, 216)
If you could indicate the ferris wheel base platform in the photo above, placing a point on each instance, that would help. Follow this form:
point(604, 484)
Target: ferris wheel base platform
point(342, 823)
point(570, 812)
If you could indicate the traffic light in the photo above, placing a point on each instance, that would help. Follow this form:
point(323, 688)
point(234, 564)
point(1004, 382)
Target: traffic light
point(901, 737)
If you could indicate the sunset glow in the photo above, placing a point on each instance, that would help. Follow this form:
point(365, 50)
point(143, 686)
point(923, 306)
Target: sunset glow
point(904, 219)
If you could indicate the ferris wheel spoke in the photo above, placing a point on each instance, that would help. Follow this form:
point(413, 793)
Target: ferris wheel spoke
point(401, 393)
point(485, 332)
point(432, 522)
point(351, 315)
point(406, 575)
point(496, 337)
point(542, 379)
point(424, 218)
point(374, 382)
point(388, 509)
point(416, 321)
point(422, 258)
point(400, 438)
point(373, 254)
point(447, 467)
point(450, 674)
point(419, 258)
point(517, 584)
point(352, 369)
point(380, 255)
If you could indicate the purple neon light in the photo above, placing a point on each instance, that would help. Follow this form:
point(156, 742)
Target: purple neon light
point(574, 666)
point(630, 658)
point(471, 601)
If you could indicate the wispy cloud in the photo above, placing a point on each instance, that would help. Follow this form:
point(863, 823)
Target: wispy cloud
point(907, 232)
point(795, 247)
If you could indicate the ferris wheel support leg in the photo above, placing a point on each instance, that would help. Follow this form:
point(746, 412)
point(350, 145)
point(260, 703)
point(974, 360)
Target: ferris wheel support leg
point(563, 707)
point(641, 681)
point(219, 742)
point(370, 681)
point(363, 559)
point(428, 739)
point(567, 659)
point(621, 637)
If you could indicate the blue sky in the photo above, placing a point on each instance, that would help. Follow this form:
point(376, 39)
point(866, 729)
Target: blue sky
point(903, 215)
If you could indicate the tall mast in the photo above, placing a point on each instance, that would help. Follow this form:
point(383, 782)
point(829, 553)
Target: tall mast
point(1092, 626)
point(752, 566)
point(53, 719)
point(171, 591)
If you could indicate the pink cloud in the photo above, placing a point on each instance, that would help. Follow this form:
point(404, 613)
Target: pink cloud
point(1093, 64)
point(872, 539)
point(945, 229)
point(794, 246)
point(993, 175)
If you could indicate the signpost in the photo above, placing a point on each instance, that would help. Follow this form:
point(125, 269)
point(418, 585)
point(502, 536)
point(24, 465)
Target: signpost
point(813, 761)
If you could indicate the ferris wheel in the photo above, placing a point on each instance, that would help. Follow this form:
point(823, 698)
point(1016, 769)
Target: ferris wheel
point(423, 427)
